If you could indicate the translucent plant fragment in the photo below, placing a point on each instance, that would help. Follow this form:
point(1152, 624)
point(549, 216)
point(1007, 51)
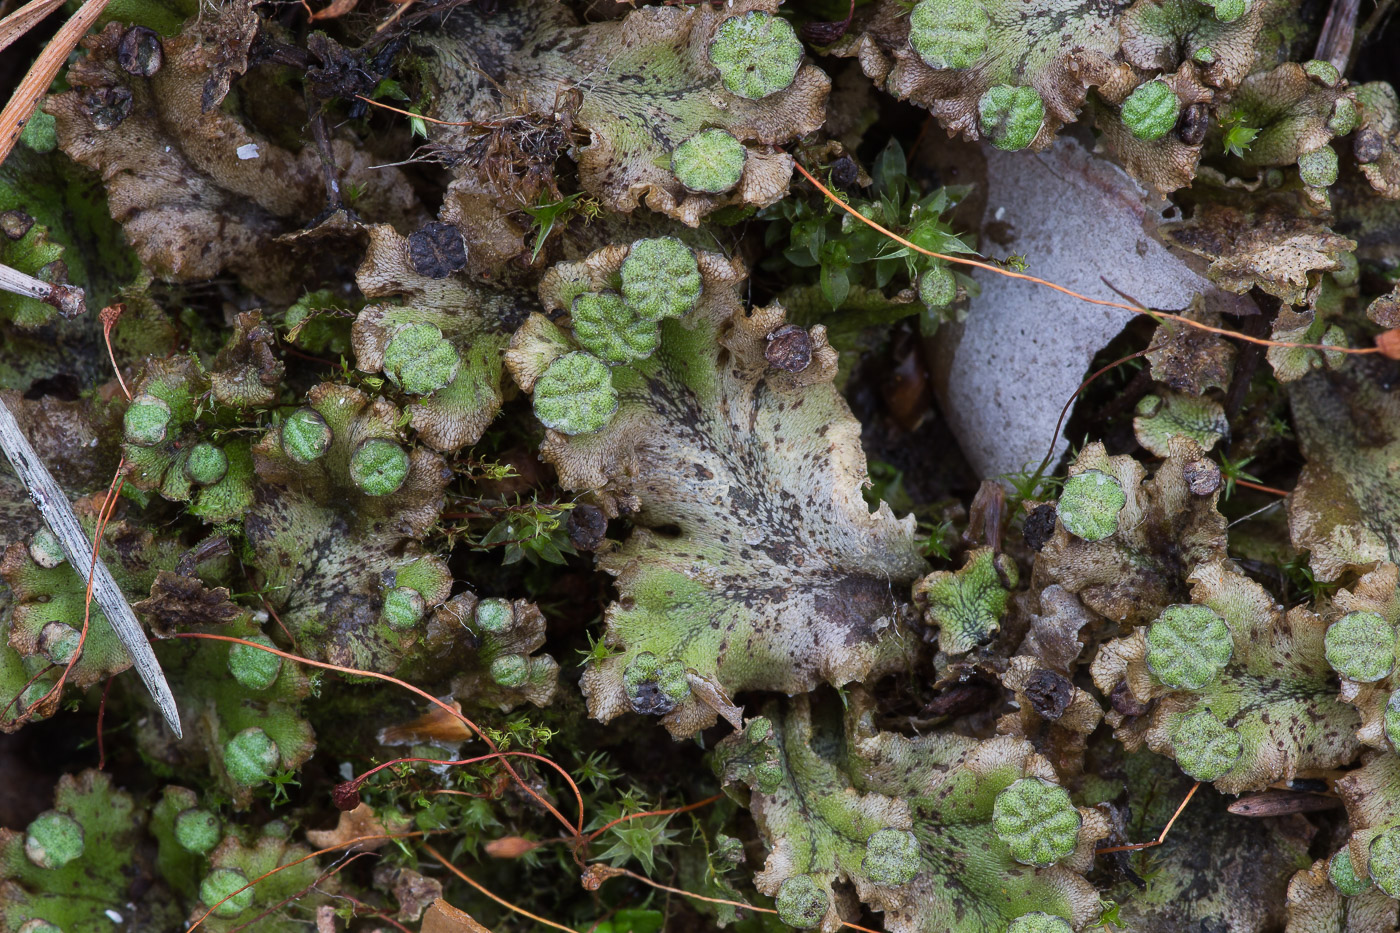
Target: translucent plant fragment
point(1271, 711)
point(1275, 250)
point(190, 205)
point(772, 573)
point(660, 77)
point(1162, 530)
point(967, 606)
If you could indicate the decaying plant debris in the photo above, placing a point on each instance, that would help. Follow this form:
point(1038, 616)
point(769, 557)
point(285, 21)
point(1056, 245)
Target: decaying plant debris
point(541, 439)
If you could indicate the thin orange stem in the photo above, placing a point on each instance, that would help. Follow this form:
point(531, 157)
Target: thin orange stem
point(1135, 309)
point(1165, 829)
point(491, 894)
point(635, 816)
point(1248, 485)
point(416, 116)
point(109, 316)
point(575, 830)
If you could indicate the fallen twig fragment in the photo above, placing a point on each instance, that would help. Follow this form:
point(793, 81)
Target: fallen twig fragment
point(68, 299)
point(58, 514)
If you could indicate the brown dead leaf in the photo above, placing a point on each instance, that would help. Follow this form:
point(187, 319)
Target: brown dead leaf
point(178, 602)
point(353, 824)
point(442, 917)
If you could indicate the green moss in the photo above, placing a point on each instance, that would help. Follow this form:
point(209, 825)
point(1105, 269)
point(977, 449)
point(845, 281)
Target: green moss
point(305, 435)
point(254, 669)
point(801, 902)
point(1037, 820)
point(1188, 646)
point(146, 421)
point(1318, 168)
point(575, 395)
point(1204, 747)
point(1391, 719)
point(250, 757)
point(891, 857)
point(1090, 503)
point(218, 888)
point(757, 54)
point(53, 840)
point(197, 830)
point(379, 466)
point(1227, 11)
point(206, 465)
point(45, 549)
point(611, 330)
point(1010, 116)
point(1324, 73)
point(660, 278)
point(1361, 646)
point(1342, 873)
point(710, 162)
point(420, 360)
point(1151, 111)
point(949, 33)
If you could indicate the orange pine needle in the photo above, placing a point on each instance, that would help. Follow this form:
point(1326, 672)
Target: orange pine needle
point(1165, 829)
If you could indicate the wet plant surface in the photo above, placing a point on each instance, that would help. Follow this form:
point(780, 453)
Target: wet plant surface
point(579, 466)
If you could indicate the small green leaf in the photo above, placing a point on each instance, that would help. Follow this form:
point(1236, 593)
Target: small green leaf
point(1385, 861)
point(420, 360)
point(891, 857)
point(378, 466)
point(53, 840)
point(1342, 873)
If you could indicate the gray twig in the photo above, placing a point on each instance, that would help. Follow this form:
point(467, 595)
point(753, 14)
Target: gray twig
point(53, 506)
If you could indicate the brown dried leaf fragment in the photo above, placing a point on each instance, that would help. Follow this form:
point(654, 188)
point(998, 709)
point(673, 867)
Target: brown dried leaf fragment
point(177, 603)
point(1376, 144)
point(197, 192)
point(1276, 251)
point(1343, 508)
point(1191, 360)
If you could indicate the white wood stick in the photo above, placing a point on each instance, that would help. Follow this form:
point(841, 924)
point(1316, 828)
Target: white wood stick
point(53, 506)
point(68, 299)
